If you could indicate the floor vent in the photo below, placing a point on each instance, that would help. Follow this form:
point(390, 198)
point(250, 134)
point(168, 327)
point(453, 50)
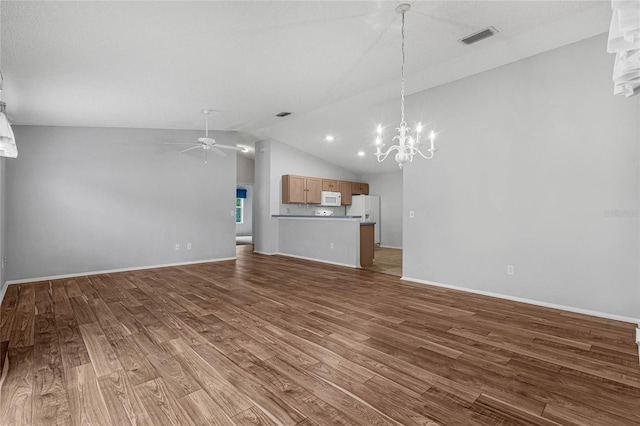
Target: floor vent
point(480, 35)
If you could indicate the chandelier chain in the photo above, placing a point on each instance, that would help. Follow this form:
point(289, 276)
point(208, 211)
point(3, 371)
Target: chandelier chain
point(402, 76)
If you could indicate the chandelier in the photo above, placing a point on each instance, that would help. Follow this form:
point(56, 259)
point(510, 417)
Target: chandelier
point(7, 140)
point(408, 146)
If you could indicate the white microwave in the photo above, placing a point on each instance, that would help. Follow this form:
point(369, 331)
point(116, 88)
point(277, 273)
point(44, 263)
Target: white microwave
point(331, 198)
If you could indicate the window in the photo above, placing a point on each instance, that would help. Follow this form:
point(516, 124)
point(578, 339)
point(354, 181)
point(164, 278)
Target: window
point(239, 210)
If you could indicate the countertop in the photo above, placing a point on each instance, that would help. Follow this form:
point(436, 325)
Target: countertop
point(302, 216)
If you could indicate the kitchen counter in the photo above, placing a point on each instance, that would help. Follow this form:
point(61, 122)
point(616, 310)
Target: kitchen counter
point(302, 216)
point(329, 239)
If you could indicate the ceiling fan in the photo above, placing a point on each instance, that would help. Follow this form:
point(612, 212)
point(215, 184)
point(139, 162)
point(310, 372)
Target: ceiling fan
point(206, 143)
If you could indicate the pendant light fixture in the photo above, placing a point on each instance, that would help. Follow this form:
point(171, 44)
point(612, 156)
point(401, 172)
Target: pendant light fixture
point(7, 140)
point(408, 145)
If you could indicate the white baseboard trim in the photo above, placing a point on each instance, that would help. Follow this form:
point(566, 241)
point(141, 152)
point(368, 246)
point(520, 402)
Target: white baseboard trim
point(317, 260)
point(110, 271)
point(264, 252)
point(529, 301)
point(391, 247)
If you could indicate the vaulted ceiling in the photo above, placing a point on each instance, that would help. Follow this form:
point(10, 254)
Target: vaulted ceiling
point(332, 64)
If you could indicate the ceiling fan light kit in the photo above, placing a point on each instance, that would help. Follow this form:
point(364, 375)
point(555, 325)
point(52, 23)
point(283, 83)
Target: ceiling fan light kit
point(408, 146)
point(205, 142)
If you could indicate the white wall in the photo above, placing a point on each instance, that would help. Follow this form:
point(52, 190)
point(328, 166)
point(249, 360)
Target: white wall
point(3, 232)
point(532, 156)
point(245, 169)
point(287, 160)
point(92, 199)
point(265, 228)
point(274, 159)
point(389, 187)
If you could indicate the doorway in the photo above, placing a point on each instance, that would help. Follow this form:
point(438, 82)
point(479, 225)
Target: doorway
point(244, 214)
point(387, 260)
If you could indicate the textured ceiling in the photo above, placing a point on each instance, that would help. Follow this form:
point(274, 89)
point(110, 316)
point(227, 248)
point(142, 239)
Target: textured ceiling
point(157, 64)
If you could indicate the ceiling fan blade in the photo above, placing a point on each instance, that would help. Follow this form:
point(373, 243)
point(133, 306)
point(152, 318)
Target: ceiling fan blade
point(218, 152)
point(179, 143)
point(189, 149)
point(235, 148)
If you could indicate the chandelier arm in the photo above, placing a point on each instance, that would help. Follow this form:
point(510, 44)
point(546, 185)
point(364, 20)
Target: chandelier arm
point(383, 155)
point(429, 156)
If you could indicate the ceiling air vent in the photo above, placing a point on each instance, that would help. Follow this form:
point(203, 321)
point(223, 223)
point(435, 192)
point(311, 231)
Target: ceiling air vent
point(480, 35)
point(283, 114)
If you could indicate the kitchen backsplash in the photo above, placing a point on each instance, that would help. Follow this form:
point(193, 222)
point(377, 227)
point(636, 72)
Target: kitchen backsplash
point(310, 210)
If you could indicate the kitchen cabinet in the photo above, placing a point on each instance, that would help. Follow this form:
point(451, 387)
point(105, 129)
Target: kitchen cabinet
point(314, 190)
point(345, 190)
point(301, 190)
point(359, 188)
point(307, 190)
point(330, 185)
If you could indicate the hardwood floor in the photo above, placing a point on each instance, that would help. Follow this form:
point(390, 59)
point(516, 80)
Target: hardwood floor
point(387, 261)
point(275, 340)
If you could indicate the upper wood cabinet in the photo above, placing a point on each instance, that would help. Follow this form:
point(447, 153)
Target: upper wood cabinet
point(301, 190)
point(308, 190)
point(314, 190)
point(359, 188)
point(330, 185)
point(345, 190)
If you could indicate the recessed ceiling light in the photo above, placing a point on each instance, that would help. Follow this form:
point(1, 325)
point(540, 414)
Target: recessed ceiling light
point(329, 138)
point(245, 148)
point(283, 114)
point(361, 153)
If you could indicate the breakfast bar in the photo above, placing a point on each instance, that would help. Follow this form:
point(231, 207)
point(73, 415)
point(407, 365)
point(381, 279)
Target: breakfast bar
point(328, 239)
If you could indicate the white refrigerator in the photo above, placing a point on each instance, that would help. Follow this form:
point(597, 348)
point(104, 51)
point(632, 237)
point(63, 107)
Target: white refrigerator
point(367, 206)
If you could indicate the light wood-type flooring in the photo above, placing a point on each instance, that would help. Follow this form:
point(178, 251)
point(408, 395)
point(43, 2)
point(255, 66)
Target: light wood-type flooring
point(387, 261)
point(276, 340)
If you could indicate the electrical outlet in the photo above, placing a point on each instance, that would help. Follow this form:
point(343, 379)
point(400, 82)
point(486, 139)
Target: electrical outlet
point(177, 246)
point(233, 213)
point(510, 270)
point(331, 245)
point(412, 214)
point(4, 261)
point(188, 246)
